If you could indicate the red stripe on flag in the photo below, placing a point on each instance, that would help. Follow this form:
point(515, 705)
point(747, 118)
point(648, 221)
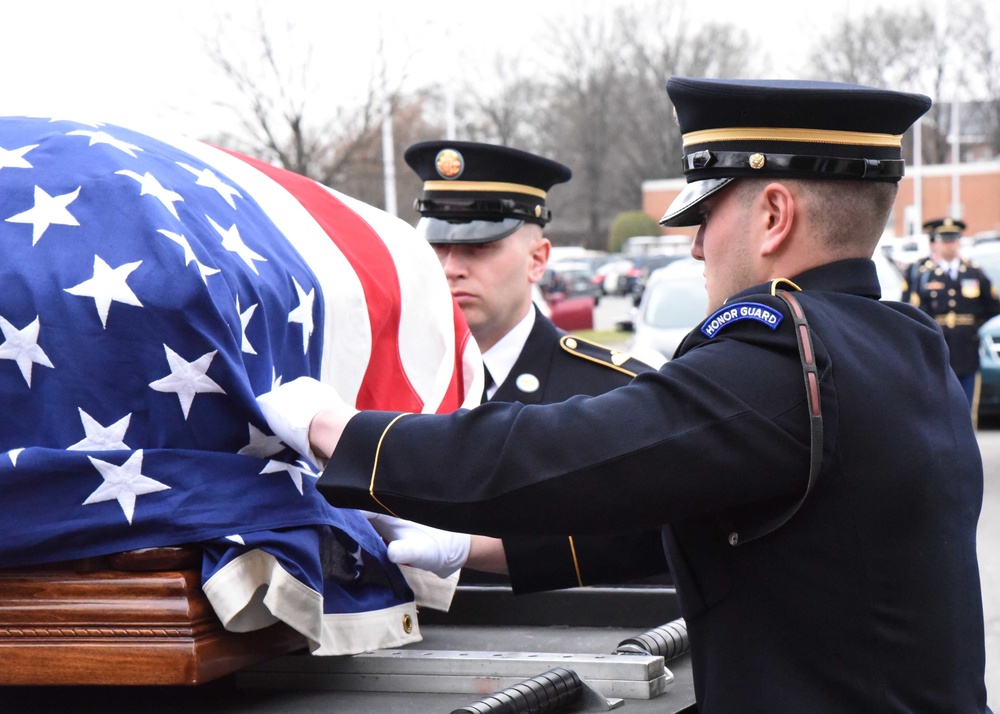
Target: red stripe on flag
point(385, 384)
point(456, 389)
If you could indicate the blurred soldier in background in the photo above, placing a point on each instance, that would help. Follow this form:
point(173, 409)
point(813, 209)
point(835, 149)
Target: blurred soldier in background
point(958, 295)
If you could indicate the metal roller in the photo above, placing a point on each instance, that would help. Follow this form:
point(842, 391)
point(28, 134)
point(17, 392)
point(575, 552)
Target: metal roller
point(549, 692)
point(667, 641)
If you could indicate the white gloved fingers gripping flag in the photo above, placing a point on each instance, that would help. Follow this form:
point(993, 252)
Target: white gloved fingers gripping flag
point(153, 289)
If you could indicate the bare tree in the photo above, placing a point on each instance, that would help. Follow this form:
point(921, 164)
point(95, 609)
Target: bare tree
point(610, 117)
point(907, 49)
point(278, 120)
point(981, 42)
point(503, 105)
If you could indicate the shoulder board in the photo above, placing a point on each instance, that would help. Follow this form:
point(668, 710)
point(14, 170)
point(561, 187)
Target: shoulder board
point(600, 354)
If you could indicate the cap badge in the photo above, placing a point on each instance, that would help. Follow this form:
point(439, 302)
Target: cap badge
point(757, 161)
point(527, 383)
point(449, 163)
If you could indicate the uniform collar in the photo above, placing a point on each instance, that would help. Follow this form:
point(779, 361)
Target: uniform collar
point(855, 276)
point(500, 358)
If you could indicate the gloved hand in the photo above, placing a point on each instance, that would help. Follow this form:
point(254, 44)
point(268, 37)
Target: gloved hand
point(420, 546)
point(290, 408)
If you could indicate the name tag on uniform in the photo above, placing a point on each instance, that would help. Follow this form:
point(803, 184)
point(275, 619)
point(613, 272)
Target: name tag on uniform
point(740, 311)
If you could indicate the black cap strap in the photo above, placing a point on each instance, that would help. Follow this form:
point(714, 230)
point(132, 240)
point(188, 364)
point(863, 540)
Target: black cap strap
point(455, 209)
point(888, 169)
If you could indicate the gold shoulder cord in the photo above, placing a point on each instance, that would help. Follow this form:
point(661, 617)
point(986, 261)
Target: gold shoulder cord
point(576, 562)
point(378, 449)
point(783, 281)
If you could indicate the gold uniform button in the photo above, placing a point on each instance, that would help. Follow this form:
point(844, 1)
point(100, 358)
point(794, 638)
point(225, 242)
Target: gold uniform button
point(571, 343)
point(407, 624)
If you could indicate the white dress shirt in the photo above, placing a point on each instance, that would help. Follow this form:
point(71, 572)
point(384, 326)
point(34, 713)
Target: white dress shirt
point(500, 358)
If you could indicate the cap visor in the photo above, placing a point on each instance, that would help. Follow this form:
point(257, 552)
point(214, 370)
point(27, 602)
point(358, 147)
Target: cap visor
point(684, 209)
point(436, 230)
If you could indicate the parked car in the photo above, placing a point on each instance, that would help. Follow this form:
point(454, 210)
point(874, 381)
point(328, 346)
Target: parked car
point(633, 282)
point(566, 313)
point(570, 279)
point(607, 276)
point(989, 368)
point(889, 277)
point(986, 254)
point(673, 303)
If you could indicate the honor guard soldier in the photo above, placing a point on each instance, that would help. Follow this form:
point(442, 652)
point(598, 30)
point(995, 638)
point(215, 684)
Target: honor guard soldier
point(807, 454)
point(483, 210)
point(958, 295)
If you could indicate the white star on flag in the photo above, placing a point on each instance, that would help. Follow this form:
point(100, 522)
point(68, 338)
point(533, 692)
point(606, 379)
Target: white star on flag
point(151, 187)
point(107, 286)
point(208, 179)
point(48, 210)
point(14, 158)
point(186, 379)
point(232, 242)
point(22, 347)
point(261, 445)
point(294, 471)
point(102, 438)
point(244, 321)
point(13, 454)
point(101, 137)
point(304, 313)
point(189, 256)
point(123, 483)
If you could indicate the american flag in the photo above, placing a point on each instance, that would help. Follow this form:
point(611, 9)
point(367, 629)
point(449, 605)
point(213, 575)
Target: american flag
point(151, 289)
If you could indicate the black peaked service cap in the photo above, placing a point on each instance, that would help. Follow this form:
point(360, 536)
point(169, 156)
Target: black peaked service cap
point(785, 129)
point(478, 193)
point(945, 228)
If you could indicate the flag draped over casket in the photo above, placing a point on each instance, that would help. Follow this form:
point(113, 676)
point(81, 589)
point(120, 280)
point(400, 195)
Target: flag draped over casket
point(151, 290)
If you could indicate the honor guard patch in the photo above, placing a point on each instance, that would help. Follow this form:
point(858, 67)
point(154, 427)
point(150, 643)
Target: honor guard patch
point(740, 311)
point(607, 356)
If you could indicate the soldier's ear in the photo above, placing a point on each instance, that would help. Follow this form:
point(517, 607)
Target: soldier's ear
point(775, 212)
point(538, 258)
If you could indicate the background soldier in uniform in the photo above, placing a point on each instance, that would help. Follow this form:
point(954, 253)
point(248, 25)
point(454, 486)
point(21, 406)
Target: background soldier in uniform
point(483, 210)
point(958, 295)
point(807, 453)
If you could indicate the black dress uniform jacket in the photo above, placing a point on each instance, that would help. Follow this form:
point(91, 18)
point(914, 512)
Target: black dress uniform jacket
point(867, 600)
point(960, 305)
point(563, 367)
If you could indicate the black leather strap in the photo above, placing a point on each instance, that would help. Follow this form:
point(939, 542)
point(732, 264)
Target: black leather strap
point(810, 374)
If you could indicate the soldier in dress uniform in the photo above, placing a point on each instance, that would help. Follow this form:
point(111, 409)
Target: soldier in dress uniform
point(958, 295)
point(483, 210)
point(807, 453)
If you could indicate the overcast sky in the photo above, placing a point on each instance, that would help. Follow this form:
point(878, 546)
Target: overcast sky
point(146, 65)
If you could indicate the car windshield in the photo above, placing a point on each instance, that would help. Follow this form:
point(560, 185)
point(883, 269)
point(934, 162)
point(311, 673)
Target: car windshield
point(989, 262)
point(676, 303)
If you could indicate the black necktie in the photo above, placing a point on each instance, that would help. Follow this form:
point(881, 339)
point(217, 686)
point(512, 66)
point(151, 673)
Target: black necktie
point(487, 383)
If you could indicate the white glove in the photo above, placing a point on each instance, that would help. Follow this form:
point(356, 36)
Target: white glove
point(420, 546)
point(290, 408)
